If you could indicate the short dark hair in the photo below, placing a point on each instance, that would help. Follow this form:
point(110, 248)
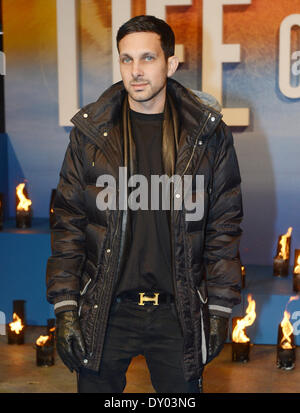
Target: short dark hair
point(150, 24)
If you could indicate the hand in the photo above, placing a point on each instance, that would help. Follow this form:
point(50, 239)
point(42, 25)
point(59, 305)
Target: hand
point(69, 338)
point(217, 335)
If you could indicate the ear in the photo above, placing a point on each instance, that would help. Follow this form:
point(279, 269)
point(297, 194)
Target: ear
point(173, 63)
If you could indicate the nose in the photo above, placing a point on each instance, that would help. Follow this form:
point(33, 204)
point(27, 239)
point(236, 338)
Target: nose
point(137, 70)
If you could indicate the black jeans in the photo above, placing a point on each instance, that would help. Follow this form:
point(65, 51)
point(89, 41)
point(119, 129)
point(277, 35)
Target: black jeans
point(152, 331)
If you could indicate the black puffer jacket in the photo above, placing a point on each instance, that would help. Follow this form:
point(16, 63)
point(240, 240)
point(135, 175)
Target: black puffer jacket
point(88, 244)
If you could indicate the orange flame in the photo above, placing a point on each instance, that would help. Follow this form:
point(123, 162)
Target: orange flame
point(287, 330)
point(284, 252)
point(24, 203)
point(238, 334)
point(42, 340)
point(286, 327)
point(16, 325)
point(297, 267)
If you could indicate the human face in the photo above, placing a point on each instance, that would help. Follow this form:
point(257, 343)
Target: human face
point(144, 71)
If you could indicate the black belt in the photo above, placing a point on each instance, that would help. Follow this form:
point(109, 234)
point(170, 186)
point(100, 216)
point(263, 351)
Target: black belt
point(146, 298)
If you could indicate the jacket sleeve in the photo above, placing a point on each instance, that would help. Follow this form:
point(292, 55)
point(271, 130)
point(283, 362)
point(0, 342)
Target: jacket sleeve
point(223, 232)
point(64, 266)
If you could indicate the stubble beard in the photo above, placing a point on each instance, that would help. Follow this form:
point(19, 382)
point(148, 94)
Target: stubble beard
point(149, 97)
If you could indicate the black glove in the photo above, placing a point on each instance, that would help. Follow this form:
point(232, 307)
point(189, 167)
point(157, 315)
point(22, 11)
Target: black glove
point(69, 339)
point(217, 335)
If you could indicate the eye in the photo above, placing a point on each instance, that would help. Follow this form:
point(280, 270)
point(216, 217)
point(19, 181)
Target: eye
point(149, 58)
point(126, 60)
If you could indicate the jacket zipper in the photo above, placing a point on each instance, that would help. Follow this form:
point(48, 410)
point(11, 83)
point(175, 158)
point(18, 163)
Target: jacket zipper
point(194, 148)
point(195, 144)
point(173, 260)
point(93, 164)
point(107, 270)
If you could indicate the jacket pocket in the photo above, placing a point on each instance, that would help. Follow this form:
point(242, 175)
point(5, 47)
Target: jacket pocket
point(204, 314)
point(88, 281)
point(89, 276)
point(95, 240)
point(84, 290)
point(82, 293)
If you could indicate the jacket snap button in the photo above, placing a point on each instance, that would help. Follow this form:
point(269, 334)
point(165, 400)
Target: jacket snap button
point(108, 250)
point(177, 195)
point(105, 134)
point(213, 118)
point(85, 115)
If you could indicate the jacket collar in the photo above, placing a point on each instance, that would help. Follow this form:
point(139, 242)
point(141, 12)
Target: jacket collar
point(97, 118)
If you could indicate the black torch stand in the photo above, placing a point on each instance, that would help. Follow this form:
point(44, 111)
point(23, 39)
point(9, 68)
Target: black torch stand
point(12, 336)
point(23, 219)
point(51, 209)
point(296, 275)
point(296, 282)
point(280, 265)
point(45, 354)
point(286, 357)
point(19, 308)
point(240, 352)
point(243, 274)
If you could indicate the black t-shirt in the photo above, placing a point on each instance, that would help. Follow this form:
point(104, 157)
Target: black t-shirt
point(148, 265)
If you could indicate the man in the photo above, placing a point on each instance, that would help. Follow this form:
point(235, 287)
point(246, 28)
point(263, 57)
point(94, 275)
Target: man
point(128, 281)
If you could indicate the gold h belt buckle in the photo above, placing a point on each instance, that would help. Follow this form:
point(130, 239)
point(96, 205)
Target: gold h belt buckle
point(143, 299)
